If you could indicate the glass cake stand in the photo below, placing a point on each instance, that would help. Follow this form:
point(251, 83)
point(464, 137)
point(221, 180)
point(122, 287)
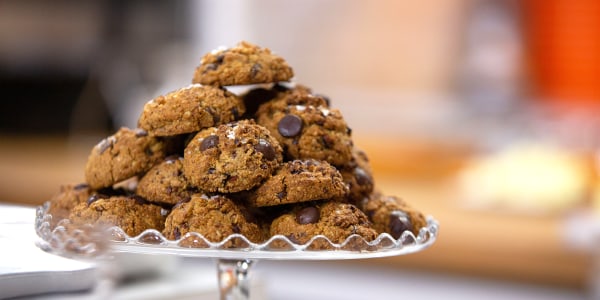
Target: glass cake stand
point(233, 264)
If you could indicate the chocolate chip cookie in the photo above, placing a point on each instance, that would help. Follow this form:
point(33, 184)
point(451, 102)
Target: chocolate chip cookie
point(336, 221)
point(165, 182)
point(243, 64)
point(125, 154)
point(358, 176)
point(299, 181)
point(63, 202)
point(392, 215)
point(232, 157)
point(133, 214)
point(189, 110)
point(214, 217)
point(307, 131)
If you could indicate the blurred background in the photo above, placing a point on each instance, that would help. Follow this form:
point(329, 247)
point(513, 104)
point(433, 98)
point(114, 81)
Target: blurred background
point(481, 113)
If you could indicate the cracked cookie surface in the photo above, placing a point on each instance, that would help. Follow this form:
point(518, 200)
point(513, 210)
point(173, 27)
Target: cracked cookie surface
point(299, 181)
point(125, 154)
point(215, 217)
point(231, 158)
point(165, 182)
point(242, 64)
point(190, 109)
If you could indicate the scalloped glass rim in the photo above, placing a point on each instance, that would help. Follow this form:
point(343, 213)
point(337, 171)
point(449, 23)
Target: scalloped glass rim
point(151, 241)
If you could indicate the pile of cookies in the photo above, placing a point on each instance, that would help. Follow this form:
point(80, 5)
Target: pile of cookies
point(275, 159)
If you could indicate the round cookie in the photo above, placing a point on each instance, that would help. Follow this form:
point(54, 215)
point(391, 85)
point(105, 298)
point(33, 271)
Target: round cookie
point(243, 64)
point(215, 218)
point(133, 214)
point(335, 220)
point(123, 155)
point(231, 158)
point(358, 176)
point(299, 181)
point(306, 131)
point(190, 109)
point(62, 203)
point(165, 182)
point(392, 215)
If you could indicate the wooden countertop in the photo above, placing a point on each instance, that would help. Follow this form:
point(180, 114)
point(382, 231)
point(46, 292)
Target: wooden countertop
point(520, 248)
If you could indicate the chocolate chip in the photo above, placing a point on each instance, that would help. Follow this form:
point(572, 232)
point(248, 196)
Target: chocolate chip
point(281, 195)
point(140, 132)
point(328, 141)
point(176, 233)
point(348, 131)
point(211, 141)
point(399, 222)
point(266, 149)
point(255, 69)
point(81, 186)
point(235, 228)
point(219, 59)
point(95, 197)
point(290, 125)
point(169, 190)
point(211, 170)
point(362, 177)
point(307, 215)
point(216, 118)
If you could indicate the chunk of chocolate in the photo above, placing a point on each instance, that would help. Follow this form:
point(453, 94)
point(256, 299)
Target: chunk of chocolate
point(211, 141)
point(290, 125)
point(308, 215)
point(266, 149)
point(399, 222)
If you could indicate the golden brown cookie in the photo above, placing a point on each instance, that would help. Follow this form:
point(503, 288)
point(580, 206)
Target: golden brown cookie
point(392, 215)
point(243, 64)
point(336, 221)
point(307, 131)
point(232, 157)
point(165, 182)
point(189, 110)
point(299, 181)
point(123, 155)
point(63, 202)
point(214, 217)
point(133, 214)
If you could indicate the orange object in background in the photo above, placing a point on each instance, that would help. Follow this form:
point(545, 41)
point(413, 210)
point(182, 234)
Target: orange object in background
point(563, 44)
